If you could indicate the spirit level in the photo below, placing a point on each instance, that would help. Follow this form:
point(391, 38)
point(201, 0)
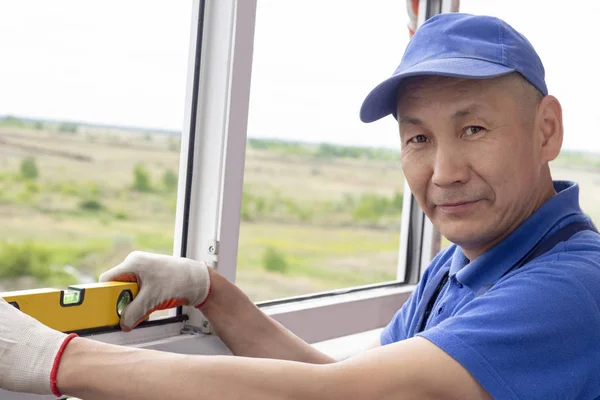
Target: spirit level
point(79, 308)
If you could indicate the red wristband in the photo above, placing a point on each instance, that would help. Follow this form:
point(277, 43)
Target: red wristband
point(54, 372)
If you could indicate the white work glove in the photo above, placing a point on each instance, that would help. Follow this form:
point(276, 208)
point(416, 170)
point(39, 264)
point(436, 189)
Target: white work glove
point(164, 282)
point(30, 352)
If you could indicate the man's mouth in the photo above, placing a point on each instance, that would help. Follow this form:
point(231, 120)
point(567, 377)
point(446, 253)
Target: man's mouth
point(457, 207)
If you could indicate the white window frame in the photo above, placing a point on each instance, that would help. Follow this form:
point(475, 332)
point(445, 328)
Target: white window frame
point(229, 43)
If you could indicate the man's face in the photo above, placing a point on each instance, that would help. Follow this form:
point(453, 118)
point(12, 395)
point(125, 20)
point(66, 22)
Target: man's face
point(470, 155)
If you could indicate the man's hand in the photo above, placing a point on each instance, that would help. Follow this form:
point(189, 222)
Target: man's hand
point(164, 281)
point(30, 352)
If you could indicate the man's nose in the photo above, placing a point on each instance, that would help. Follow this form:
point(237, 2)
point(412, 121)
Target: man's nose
point(450, 166)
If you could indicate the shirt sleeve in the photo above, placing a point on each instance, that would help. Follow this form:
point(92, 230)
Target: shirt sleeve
point(398, 328)
point(404, 321)
point(535, 335)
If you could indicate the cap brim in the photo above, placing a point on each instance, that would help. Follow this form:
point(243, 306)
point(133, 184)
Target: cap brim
point(381, 101)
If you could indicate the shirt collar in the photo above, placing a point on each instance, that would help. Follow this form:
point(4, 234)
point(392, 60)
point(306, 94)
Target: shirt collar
point(491, 265)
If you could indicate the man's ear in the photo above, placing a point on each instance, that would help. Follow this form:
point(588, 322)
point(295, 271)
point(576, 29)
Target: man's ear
point(549, 125)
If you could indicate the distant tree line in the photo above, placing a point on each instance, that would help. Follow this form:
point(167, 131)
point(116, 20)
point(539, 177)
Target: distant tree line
point(323, 150)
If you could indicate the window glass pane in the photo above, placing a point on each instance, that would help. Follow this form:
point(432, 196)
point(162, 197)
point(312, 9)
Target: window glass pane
point(91, 110)
point(322, 190)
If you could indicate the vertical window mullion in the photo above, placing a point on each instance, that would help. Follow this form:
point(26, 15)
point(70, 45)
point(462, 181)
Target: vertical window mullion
point(220, 113)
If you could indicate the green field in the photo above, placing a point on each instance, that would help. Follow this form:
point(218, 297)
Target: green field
point(76, 199)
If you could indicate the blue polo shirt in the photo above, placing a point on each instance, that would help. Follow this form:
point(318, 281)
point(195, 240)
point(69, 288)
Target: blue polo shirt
point(531, 334)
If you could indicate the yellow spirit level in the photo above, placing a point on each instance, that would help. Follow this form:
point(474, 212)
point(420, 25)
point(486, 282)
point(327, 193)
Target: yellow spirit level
point(78, 308)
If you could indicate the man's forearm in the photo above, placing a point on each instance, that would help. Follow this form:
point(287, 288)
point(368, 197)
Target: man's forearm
point(248, 332)
point(93, 370)
point(410, 369)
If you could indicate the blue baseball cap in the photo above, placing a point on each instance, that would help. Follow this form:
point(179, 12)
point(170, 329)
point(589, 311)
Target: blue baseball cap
point(462, 46)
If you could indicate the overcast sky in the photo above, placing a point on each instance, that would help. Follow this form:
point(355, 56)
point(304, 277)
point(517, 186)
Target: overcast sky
point(124, 62)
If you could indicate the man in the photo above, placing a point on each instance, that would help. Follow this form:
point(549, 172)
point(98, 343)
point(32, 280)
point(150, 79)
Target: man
point(510, 311)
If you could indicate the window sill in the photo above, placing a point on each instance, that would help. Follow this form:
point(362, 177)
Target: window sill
point(321, 319)
point(348, 346)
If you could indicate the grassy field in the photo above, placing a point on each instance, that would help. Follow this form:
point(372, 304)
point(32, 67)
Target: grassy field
point(75, 200)
point(326, 222)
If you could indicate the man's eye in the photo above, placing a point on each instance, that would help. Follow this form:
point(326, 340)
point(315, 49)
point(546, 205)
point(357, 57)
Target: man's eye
point(418, 139)
point(471, 130)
